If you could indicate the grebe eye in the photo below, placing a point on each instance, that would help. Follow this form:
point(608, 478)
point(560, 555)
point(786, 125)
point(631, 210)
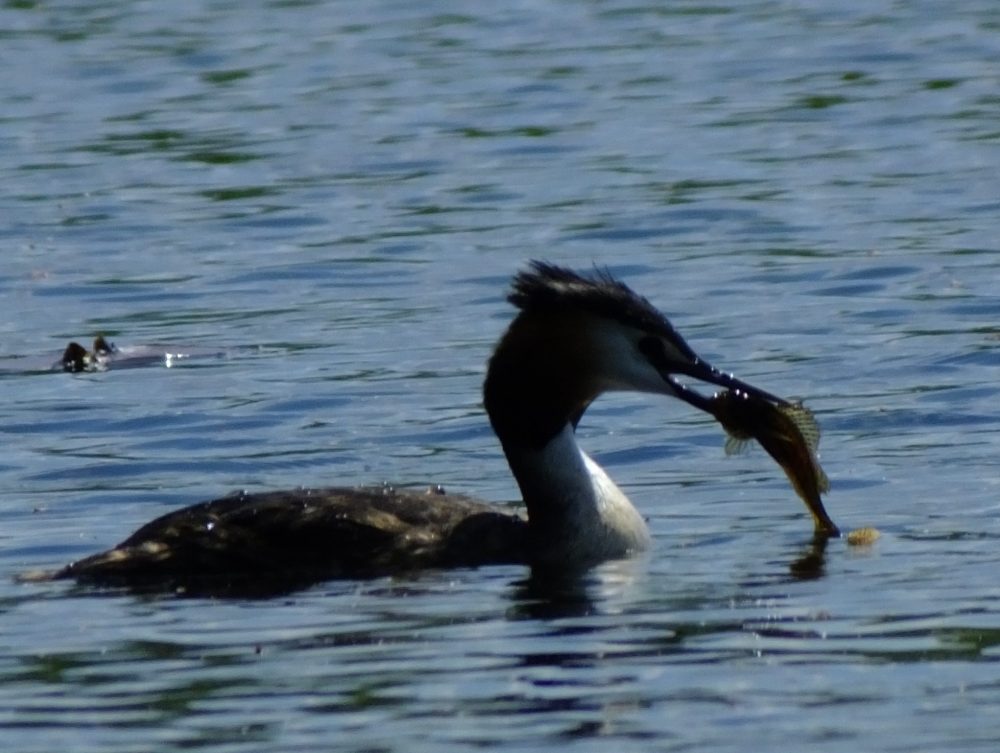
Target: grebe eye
point(652, 348)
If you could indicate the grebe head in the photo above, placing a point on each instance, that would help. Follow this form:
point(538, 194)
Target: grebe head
point(576, 337)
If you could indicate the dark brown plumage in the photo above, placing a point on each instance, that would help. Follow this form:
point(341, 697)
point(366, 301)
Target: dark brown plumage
point(273, 541)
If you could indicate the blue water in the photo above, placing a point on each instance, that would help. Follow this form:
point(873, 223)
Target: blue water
point(331, 199)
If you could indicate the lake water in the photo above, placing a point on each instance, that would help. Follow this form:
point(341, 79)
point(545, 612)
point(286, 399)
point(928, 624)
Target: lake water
point(332, 197)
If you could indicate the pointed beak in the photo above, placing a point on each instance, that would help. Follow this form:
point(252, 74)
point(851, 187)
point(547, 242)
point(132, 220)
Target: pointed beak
point(704, 372)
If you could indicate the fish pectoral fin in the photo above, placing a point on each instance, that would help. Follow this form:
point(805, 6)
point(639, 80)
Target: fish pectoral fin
point(736, 445)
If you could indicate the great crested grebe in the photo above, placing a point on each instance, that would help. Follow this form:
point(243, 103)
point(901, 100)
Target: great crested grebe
point(574, 338)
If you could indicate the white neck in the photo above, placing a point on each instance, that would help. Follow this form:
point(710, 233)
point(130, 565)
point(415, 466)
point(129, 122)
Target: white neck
point(577, 513)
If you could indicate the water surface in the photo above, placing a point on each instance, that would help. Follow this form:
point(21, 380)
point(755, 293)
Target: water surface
point(332, 197)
